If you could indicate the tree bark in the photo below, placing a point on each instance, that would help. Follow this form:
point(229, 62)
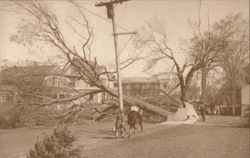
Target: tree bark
point(130, 101)
point(183, 94)
point(127, 99)
point(204, 73)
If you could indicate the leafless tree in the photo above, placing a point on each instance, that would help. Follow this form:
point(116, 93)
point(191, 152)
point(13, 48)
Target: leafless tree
point(230, 39)
point(201, 51)
point(235, 57)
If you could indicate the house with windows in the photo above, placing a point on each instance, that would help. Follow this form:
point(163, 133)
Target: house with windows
point(245, 101)
point(241, 97)
point(79, 85)
point(146, 87)
point(245, 94)
point(35, 83)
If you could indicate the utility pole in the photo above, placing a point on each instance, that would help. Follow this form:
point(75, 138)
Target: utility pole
point(111, 15)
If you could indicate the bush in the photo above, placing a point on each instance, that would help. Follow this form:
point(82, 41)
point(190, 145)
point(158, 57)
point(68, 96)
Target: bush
point(11, 121)
point(57, 145)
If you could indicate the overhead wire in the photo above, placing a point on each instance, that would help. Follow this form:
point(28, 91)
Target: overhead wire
point(121, 27)
point(126, 44)
point(208, 18)
point(102, 18)
point(105, 19)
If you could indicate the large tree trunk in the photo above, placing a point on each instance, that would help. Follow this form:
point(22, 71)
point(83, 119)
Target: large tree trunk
point(204, 73)
point(183, 90)
point(183, 95)
point(130, 101)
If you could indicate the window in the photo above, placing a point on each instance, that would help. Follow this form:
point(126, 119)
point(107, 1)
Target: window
point(58, 83)
point(3, 99)
point(49, 81)
point(137, 86)
point(165, 86)
point(91, 97)
point(128, 86)
point(156, 85)
point(126, 93)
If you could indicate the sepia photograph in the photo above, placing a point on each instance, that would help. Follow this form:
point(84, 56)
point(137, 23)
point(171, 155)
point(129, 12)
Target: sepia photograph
point(124, 79)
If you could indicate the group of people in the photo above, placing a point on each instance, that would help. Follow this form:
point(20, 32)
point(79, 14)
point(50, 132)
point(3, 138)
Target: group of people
point(134, 116)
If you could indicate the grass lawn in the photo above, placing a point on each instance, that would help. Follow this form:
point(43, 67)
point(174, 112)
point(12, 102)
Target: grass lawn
point(218, 137)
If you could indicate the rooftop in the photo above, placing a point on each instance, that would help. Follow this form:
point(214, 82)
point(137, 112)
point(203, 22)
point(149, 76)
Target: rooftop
point(142, 80)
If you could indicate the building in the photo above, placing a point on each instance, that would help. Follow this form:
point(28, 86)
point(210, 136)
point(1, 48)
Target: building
point(241, 97)
point(245, 101)
point(145, 87)
point(35, 83)
point(225, 100)
point(80, 85)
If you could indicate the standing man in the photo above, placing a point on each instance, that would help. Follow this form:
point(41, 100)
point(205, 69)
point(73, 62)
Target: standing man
point(217, 109)
point(202, 111)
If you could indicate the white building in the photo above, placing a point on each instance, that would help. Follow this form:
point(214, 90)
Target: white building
point(245, 101)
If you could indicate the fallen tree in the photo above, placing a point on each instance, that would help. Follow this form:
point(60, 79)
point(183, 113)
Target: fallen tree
point(42, 26)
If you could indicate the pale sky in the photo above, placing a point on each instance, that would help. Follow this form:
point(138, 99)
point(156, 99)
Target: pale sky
point(173, 14)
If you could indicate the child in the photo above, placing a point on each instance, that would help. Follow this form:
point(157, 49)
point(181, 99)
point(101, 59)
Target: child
point(119, 124)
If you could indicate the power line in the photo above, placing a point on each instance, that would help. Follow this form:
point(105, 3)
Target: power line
point(126, 44)
point(105, 19)
point(99, 16)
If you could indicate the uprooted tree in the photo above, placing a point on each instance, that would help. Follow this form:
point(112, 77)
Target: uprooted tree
point(43, 26)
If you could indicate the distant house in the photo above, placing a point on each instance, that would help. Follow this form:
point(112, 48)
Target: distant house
point(224, 99)
point(80, 85)
point(245, 101)
point(47, 81)
point(145, 87)
point(241, 97)
point(245, 94)
point(35, 82)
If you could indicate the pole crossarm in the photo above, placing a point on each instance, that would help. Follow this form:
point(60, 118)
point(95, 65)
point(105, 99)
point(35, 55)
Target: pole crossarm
point(125, 33)
point(109, 3)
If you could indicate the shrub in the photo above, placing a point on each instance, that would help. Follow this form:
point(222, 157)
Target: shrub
point(11, 121)
point(57, 145)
